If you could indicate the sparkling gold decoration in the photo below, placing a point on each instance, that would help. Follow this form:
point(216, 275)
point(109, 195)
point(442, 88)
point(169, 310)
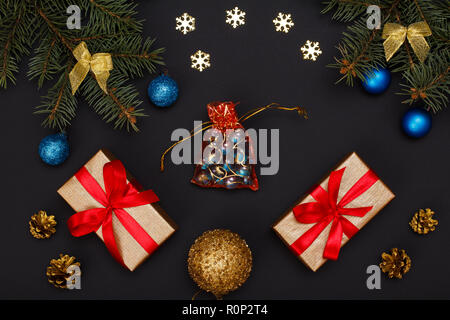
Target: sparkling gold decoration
point(185, 23)
point(41, 225)
point(57, 270)
point(395, 264)
point(422, 222)
point(395, 35)
point(283, 22)
point(200, 60)
point(100, 64)
point(219, 261)
point(311, 50)
point(235, 17)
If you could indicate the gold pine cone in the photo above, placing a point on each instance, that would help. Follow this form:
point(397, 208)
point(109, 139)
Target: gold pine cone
point(219, 261)
point(395, 264)
point(422, 222)
point(57, 270)
point(42, 226)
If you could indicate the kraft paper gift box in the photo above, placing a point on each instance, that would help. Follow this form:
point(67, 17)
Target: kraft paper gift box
point(320, 223)
point(151, 220)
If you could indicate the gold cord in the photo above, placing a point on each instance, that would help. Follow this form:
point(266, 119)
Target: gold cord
point(301, 111)
point(193, 133)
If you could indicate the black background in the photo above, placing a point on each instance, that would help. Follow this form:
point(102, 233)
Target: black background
point(255, 65)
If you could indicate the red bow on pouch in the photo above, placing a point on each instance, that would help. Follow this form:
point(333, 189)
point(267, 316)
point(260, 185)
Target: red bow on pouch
point(119, 195)
point(327, 210)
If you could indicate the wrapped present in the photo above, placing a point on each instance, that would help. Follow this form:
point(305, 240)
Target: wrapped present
point(320, 223)
point(110, 202)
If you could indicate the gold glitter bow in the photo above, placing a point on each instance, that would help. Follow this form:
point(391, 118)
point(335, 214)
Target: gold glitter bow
point(100, 64)
point(395, 35)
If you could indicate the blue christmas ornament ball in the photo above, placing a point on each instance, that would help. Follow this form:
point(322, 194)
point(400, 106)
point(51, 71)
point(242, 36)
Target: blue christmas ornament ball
point(416, 122)
point(54, 149)
point(377, 81)
point(163, 91)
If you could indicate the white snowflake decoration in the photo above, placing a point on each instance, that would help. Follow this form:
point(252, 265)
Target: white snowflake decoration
point(200, 60)
point(235, 17)
point(283, 22)
point(185, 23)
point(311, 50)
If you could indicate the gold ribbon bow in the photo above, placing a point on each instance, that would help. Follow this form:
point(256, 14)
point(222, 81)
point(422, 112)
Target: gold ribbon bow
point(395, 35)
point(100, 64)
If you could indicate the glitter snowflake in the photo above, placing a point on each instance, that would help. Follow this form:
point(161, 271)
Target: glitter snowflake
point(235, 17)
point(200, 60)
point(311, 50)
point(283, 22)
point(185, 23)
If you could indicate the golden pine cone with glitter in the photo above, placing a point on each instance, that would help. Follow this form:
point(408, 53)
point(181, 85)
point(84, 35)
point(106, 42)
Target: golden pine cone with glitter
point(57, 273)
point(219, 261)
point(395, 264)
point(42, 226)
point(422, 222)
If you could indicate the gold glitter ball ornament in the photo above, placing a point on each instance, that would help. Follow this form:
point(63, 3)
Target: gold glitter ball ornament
point(42, 226)
point(57, 272)
point(422, 222)
point(395, 264)
point(219, 261)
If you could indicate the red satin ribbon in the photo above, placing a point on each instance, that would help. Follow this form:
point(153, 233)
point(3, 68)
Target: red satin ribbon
point(118, 195)
point(326, 210)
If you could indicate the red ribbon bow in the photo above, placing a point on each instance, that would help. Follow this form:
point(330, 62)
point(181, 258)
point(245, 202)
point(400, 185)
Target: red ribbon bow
point(327, 210)
point(119, 195)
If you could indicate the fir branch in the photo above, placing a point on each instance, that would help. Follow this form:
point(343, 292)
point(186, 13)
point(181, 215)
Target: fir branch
point(111, 27)
point(47, 58)
point(405, 44)
point(14, 41)
point(6, 47)
point(358, 55)
point(404, 59)
point(420, 10)
point(95, 37)
point(46, 61)
point(131, 55)
point(361, 50)
point(109, 12)
point(113, 16)
point(392, 7)
point(429, 82)
point(349, 10)
point(59, 104)
point(119, 106)
point(59, 34)
point(437, 14)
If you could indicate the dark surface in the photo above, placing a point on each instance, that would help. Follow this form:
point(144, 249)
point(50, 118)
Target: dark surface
point(254, 65)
